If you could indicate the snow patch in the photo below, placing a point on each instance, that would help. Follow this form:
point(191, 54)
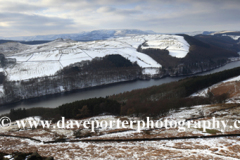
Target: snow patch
point(150, 71)
point(28, 70)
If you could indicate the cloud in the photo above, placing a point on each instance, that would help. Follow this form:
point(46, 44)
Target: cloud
point(112, 10)
point(22, 23)
point(14, 6)
point(32, 17)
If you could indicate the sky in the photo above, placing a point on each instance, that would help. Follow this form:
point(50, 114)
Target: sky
point(43, 17)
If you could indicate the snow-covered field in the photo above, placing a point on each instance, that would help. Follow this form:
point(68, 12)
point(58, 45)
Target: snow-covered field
point(46, 59)
point(113, 130)
point(221, 148)
point(28, 70)
point(176, 45)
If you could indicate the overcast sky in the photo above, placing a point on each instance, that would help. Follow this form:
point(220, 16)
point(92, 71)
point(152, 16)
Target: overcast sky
point(41, 17)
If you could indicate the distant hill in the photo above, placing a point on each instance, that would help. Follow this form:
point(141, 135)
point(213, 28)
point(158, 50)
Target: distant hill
point(25, 42)
point(227, 33)
point(197, 33)
point(84, 36)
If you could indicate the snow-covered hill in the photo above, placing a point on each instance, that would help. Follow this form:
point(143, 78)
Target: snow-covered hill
point(46, 59)
point(85, 36)
point(176, 45)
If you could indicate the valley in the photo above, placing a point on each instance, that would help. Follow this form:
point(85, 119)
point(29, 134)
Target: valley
point(195, 99)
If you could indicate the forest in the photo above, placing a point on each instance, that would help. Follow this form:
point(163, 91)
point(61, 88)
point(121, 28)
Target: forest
point(158, 100)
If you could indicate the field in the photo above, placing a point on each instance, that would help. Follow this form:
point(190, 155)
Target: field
point(128, 143)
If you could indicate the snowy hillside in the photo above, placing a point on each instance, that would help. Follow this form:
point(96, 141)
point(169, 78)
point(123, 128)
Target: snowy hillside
point(176, 45)
point(12, 47)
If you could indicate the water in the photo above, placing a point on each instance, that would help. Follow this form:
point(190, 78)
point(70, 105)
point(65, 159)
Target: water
point(52, 101)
